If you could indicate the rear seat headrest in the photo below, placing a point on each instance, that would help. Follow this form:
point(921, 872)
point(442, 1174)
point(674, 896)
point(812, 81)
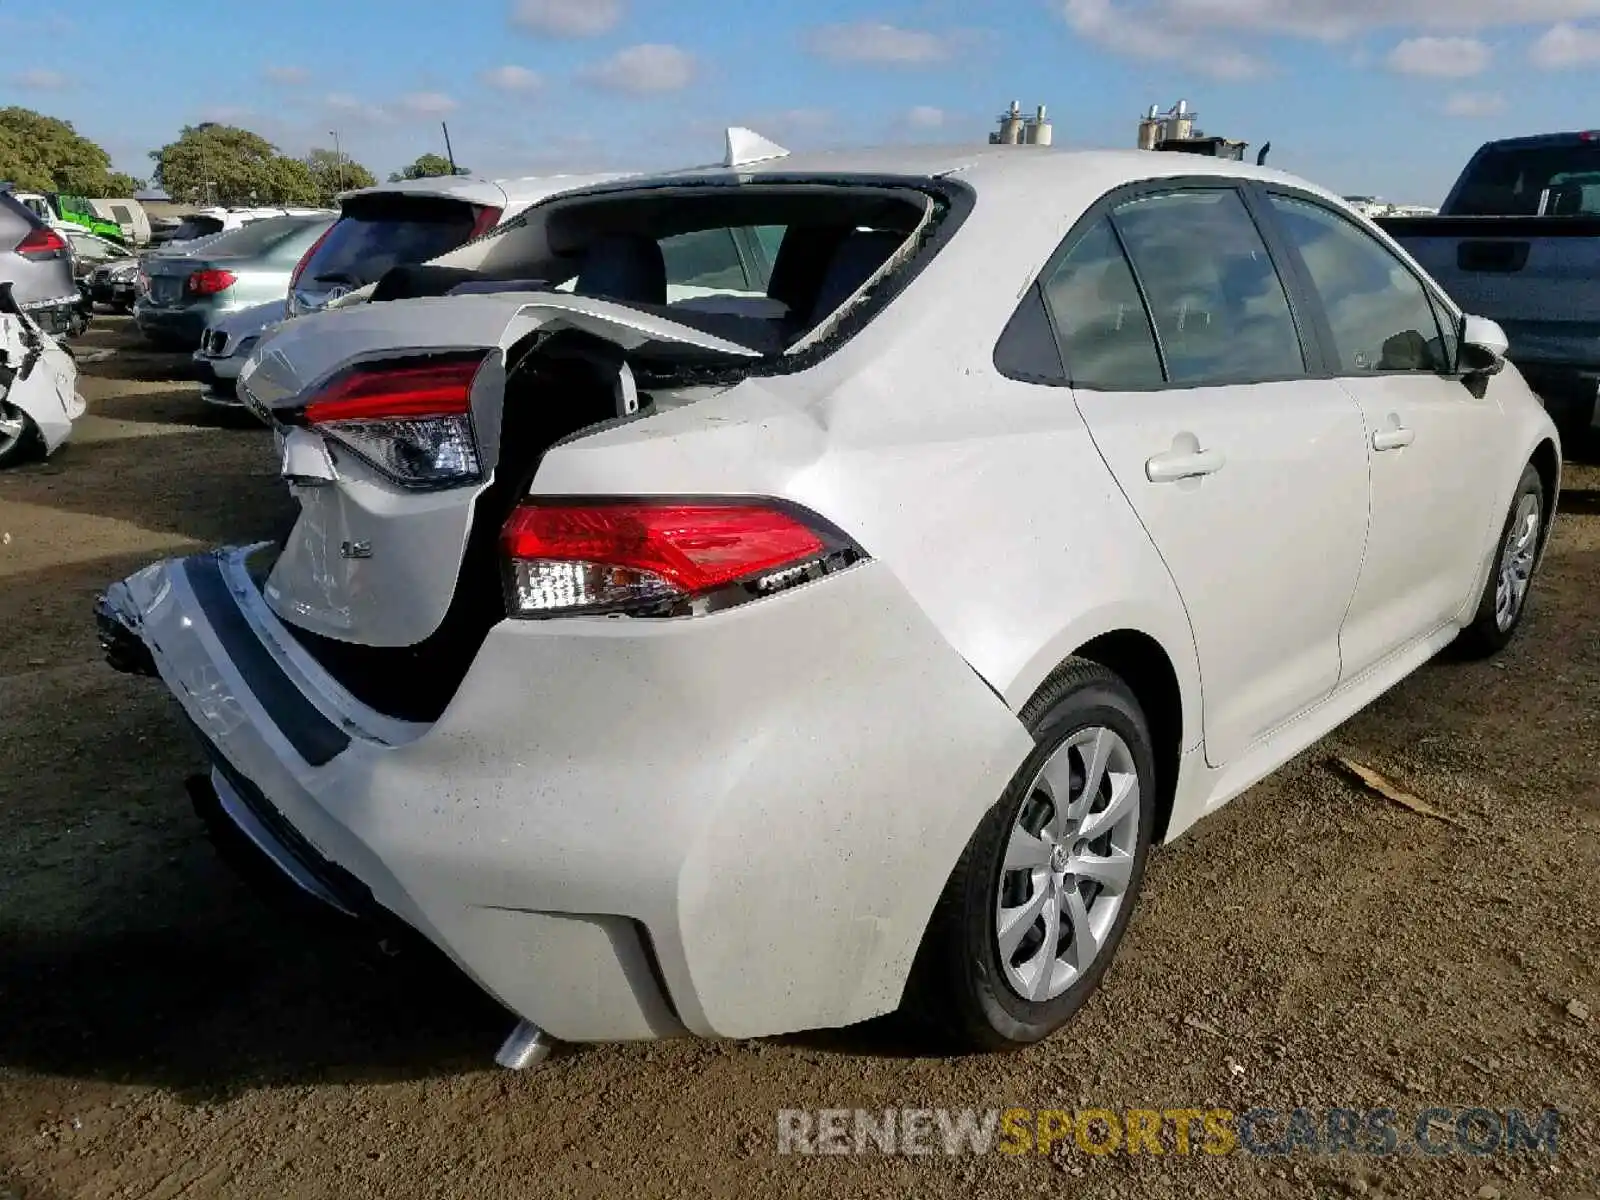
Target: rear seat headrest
point(626, 266)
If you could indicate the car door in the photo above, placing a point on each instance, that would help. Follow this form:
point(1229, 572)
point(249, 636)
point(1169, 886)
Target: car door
point(1249, 473)
point(1430, 437)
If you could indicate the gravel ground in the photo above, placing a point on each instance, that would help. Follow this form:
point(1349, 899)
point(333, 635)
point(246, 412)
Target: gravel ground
point(165, 1033)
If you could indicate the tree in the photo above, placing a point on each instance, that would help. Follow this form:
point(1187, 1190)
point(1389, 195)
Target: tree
point(335, 174)
point(427, 167)
point(223, 164)
point(43, 154)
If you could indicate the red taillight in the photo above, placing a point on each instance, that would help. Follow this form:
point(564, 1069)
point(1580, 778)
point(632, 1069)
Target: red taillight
point(41, 243)
point(209, 282)
point(654, 556)
point(305, 259)
point(410, 418)
point(488, 218)
point(396, 391)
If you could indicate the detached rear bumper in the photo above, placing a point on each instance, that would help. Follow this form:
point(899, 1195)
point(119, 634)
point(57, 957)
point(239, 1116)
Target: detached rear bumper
point(736, 825)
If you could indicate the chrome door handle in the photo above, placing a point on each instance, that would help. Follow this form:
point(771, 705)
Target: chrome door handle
point(1393, 439)
point(1183, 464)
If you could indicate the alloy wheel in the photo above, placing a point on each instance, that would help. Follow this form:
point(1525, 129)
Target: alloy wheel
point(1516, 562)
point(1068, 863)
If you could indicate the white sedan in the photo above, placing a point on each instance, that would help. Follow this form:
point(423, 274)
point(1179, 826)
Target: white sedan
point(840, 639)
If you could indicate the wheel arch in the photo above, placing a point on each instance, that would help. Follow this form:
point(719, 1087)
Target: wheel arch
point(1546, 460)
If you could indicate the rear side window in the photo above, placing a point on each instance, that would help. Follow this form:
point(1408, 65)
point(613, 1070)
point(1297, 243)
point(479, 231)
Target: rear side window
point(1220, 310)
point(1382, 318)
point(1528, 181)
point(1100, 320)
point(259, 237)
point(120, 213)
point(706, 258)
point(371, 238)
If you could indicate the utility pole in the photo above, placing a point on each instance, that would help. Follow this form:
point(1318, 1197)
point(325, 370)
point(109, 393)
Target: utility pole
point(448, 153)
point(338, 156)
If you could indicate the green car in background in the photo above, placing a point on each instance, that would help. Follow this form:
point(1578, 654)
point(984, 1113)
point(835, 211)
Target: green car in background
point(53, 207)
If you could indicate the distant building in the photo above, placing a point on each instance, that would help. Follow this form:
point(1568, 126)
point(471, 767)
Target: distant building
point(1018, 130)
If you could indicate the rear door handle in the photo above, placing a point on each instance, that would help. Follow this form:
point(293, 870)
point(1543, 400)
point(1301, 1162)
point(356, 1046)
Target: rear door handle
point(1179, 464)
point(1393, 439)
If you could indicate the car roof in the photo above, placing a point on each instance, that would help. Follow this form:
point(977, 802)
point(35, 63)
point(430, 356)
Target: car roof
point(523, 191)
point(989, 168)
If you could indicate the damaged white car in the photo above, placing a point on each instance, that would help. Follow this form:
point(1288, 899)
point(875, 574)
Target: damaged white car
point(839, 636)
point(39, 397)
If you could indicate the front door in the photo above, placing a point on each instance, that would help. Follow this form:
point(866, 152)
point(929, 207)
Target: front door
point(1249, 476)
point(1431, 440)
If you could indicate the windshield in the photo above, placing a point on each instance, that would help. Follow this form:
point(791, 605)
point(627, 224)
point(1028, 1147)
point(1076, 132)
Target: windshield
point(387, 231)
point(196, 227)
point(1531, 181)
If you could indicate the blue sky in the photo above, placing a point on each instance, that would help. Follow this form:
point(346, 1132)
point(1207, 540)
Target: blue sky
point(1384, 97)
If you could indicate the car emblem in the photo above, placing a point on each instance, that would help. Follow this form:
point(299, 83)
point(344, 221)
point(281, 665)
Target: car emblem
point(336, 291)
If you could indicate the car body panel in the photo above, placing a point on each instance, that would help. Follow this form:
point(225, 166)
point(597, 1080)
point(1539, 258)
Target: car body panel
point(48, 391)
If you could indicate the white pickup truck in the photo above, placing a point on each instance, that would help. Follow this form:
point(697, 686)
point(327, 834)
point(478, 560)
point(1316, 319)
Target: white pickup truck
point(1518, 241)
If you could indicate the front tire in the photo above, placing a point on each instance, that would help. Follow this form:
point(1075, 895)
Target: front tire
point(1033, 912)
point(1505, 594)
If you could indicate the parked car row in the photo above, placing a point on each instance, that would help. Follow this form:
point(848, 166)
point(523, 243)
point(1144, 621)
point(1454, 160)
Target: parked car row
point(721, 603)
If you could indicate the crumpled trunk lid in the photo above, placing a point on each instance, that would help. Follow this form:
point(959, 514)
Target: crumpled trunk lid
point(375, 564)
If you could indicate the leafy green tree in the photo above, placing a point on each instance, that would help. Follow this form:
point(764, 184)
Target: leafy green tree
point(44, 154)
point(335, 174)
point(223, 164)
point(427, 166)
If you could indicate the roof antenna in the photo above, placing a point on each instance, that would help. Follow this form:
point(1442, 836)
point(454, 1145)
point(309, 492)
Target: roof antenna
point(1262, 157)
point(746, 146)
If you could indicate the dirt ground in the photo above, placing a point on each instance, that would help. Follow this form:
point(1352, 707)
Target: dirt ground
point(164, 1033)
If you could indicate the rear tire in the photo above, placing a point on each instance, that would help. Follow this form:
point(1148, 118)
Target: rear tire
point(19, 436)
point(985, 976)
point(1504, 601)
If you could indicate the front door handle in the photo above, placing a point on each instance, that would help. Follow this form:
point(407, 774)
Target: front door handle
point(1396, 438)
point(1184, 461)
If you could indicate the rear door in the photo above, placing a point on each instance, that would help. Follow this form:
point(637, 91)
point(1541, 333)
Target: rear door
point(1249, 473)
point(1431, 439)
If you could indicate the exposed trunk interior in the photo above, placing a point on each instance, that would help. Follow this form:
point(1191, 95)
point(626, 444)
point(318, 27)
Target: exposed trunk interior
point(564, 385)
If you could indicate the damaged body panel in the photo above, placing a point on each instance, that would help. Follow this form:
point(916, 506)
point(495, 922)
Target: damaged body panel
point(39, 397)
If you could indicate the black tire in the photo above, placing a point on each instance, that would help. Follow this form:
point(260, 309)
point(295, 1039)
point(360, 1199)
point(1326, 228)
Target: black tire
point(1487, 635)
point(21, 449)
point(958, 983)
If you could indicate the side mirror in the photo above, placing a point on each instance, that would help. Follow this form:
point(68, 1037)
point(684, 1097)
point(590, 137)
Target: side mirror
point(1483, 346)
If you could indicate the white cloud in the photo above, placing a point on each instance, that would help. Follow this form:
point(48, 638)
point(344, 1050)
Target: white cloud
point(878, 43)
point(644, 69)
point(567, 18)
point(40, 80)
point(287, 76)
point(512, 79)
point(1473, 104)
point(1142, 34)
point(1566, 45)
point(427, 104)
point(1440, 57)
point(342, 106)
point(925, 116)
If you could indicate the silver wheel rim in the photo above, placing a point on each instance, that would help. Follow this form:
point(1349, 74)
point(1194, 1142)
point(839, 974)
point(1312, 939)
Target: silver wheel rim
point(1516, 562)
point(13, 426)
point(1068, 864)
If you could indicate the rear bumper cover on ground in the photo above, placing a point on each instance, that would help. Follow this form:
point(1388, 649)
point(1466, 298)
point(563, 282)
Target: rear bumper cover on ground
point(736, 824)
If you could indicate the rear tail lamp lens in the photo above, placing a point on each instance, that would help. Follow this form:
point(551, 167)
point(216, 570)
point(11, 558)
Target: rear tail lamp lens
point(488, 218)
point(41, 243)
point(662, 558)
point(409, 418)
point(209, 282)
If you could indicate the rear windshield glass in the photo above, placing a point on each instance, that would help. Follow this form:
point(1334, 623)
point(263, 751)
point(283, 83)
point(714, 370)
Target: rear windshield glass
point(1530, 181)
point(259, 238)
point(373, 237)
point(196, 227)
point(769, 266)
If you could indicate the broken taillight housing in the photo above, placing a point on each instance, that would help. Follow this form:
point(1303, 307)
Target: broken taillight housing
point(410, 418)
point(662, 557)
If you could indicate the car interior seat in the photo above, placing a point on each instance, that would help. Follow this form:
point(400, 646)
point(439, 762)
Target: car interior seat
point(627, 267)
